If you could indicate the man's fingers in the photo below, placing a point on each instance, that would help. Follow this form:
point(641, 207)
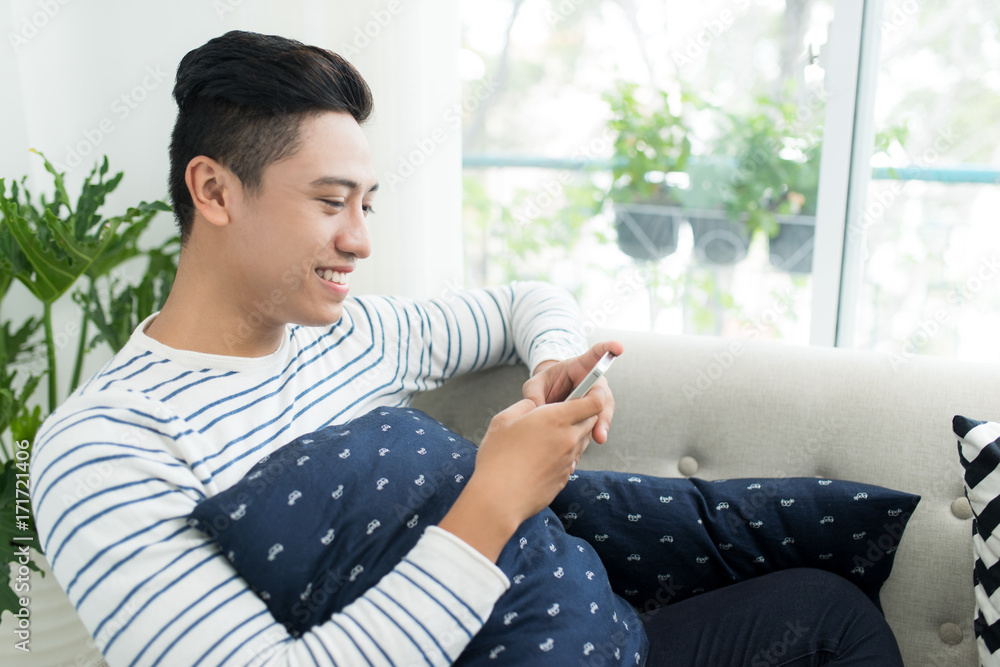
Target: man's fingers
point(519, 409)
point(533, 391)
point(587, 406)
point(598, 350)
point(586, 361)
point(607, 414)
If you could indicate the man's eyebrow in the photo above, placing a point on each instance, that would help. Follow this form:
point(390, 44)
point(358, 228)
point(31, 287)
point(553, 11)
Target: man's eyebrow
point(337, 180)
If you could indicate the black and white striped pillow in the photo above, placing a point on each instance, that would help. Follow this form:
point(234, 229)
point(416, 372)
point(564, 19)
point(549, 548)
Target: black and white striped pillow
point(979, 450)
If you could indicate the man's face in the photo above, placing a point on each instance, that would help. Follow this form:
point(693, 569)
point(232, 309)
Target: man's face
point(301, 234)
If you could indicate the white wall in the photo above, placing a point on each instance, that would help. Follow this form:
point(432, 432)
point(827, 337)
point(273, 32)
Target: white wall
point(84, 78)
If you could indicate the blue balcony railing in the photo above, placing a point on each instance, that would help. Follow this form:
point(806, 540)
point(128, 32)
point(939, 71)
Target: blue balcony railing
point(961, 173)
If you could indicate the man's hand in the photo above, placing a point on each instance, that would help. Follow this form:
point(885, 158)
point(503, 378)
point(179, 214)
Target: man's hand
point(525, 459)
point(554, 380)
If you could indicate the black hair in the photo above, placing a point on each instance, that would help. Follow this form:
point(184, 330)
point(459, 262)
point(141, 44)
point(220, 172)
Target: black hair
point(241, 99)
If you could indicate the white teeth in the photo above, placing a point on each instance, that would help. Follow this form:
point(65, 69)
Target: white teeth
point(332, 276)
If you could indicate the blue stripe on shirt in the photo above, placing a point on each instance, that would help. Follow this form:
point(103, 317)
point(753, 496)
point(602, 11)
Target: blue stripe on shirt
point(193, 624)
point(392, 620)
point(196, 383)
point(370, 638)
point(277, 391)
point(278, 376)
point(406, 612)
point(426, 592)
point(123, 561)
point(175, 582)
point(90, 462)
point(135, 373)
point(446, 588)
point(98, 515)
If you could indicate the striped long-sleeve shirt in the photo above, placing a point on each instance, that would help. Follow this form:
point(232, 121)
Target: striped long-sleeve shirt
point(119, 466)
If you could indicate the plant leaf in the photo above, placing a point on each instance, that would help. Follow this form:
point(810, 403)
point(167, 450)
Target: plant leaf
point(59, 250)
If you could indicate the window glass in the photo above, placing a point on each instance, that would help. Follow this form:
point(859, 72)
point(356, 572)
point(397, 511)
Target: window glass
point(659, 158)
point(930, 282)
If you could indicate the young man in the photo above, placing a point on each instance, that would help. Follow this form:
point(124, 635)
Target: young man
point(258, 343)
point(272, 179)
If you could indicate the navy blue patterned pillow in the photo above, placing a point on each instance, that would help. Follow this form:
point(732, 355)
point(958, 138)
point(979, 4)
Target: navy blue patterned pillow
point(665, 539)
point(324, 518)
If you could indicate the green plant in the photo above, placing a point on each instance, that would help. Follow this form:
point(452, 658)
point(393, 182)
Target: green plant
point(651, 141)
point(50, 245)
point(753, 164)
point(518, 239)
point(762, 163)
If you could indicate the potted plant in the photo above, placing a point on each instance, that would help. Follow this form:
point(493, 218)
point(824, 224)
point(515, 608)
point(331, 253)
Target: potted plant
point(790, 243)
point(50, 246)
point(651, 141)
point(764, 175)
point(740, 181)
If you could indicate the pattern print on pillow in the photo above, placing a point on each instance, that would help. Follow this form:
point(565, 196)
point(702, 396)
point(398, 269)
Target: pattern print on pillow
point(321, 520)
point(663, 539)
point(979, 452)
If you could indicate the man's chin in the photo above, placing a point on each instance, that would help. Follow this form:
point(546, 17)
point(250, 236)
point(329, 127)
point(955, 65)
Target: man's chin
point(328, 317)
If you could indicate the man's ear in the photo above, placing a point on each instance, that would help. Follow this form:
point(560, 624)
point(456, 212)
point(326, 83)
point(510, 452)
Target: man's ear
point(212, 189)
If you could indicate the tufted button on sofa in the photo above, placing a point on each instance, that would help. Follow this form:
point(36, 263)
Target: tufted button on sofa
point(724, 408)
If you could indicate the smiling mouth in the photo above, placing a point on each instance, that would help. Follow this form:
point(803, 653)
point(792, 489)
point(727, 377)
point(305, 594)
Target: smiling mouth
point(330, 276)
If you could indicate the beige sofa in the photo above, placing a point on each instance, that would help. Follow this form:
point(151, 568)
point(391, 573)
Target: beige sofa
point(719, 408)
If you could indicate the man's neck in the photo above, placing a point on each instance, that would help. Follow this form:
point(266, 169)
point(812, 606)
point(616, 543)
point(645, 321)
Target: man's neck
point(201, 316)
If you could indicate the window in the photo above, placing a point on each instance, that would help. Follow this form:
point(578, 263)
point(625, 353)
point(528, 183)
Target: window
point(928, 234)
point(663, 161)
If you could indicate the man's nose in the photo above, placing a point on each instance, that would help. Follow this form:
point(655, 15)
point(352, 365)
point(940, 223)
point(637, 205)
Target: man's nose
point(354, 238)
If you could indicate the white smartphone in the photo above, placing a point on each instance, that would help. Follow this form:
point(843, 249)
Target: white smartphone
point(593, 376)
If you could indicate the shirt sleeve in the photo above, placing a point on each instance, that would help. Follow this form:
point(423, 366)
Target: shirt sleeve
point(111, 493)
point(461, 332)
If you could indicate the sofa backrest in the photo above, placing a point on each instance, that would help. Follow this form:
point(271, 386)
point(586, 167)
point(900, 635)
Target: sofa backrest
point(722, 408)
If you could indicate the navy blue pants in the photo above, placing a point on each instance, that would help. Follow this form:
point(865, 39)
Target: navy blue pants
point(792, 617)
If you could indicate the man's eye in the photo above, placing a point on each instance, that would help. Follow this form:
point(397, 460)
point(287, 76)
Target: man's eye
point(368, 210)
point(332, 203)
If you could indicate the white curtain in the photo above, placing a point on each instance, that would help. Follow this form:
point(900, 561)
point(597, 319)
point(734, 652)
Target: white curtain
point(87, 78)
